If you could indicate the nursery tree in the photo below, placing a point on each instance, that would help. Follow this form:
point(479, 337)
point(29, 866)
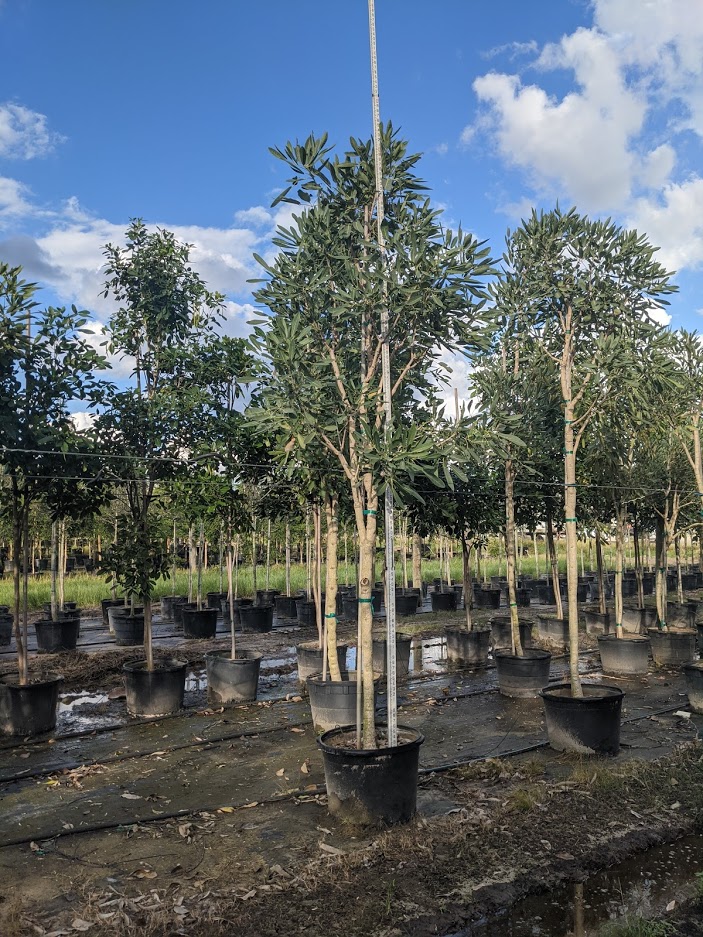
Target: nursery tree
point(45, 365)
point(323, 341)
point(165, 312)
point(589, 286)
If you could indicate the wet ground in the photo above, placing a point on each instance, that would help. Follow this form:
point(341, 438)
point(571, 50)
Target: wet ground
point(234, 797)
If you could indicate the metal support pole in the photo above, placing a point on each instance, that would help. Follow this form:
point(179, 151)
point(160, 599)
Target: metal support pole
point(391, 672)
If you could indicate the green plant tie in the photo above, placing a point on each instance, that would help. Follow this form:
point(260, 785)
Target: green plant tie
point(369, 512)
point(568, 451)
point(570, 485)
point(331, 615)
point(662, 625)
point(569, 520)
point(513, 604)
point(567, 422)
point(564, 400)
point(368, 601)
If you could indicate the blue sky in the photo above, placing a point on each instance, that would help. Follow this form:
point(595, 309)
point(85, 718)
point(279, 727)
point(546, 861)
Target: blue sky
point(165, 109)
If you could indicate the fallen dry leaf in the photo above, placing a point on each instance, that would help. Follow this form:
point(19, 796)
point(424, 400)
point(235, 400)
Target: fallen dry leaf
point(280, 772)
point(305, 768)
point(79, 924)
point(128, 796)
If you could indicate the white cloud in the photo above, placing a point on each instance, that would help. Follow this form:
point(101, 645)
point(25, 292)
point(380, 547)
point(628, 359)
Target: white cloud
point(24, 134)
point(13, 199)
point(674, 222)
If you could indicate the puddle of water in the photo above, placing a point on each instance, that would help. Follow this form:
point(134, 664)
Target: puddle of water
point(642, 886)
point(196, 680)
point(67, 704)
point(425, 655)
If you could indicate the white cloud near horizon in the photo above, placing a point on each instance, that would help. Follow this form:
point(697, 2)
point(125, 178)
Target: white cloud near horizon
point(617, 139)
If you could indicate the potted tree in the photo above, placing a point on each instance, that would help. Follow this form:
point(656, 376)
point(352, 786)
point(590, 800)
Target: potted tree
point(589, 286)
point(324, 344)
point(164, 312)
point(45, 365)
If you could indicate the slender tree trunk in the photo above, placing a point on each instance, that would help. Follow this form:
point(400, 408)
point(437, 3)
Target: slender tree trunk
point(219, 552)
point(404, 545)
point(317, 570)
point(637, 546)
point(16, 589)
point(554, 564)
point(308, 552)
point(174, 559)
point(510, 555)
point(679, 580)
point(254, 557)
point(54, 564)
point(288, 558)
point(599, 569)
point(661, 550)
point(230, 592)
point(620, 522)
point(468, 584)
point(201, 552)
point(536, 553)
point(417, 561)
point(191, 562)
point(268, 555)
point(62, 563)
point(332, 518)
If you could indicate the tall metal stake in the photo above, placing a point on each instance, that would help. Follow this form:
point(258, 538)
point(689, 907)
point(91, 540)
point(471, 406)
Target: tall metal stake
point(387, 402)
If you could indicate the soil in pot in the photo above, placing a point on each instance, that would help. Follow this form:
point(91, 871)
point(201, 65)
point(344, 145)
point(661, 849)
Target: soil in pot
point(501, 631)
point(199, 623)
point(588, 725)
point(56, 636)
point(333, 702)
point(29, 709)
point(402, 654)
point(232, 681)
point(310, 659)
point(371, 787)
point(468, 647)
point(443, 601)
point(624, 655)
point(525, 676)
point(673, 648)
point(157, 692)
point(256, 618)
point(129, 630)
point(285, 606)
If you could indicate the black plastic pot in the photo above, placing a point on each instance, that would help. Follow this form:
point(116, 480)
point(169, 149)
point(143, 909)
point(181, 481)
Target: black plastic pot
point(56, 636)
point(305, 612)
point(524, 676)
point(545, 593)
point(402, 654)
point(406, 605)
point(30, 709)
point(487, 598)
point(310, 660)
point(266, 596)
point(680, 616)
point(468, 647)
point(6, 624)
point(553, 629)
point(237, 604)
point(371, 787)
point(673, 648)
point(377, 596)
point(699, 632)
point(214, 600)
point(624, 655)
point(200, 623)
point(588, 725)
point(522, 597)
point(443, 601)
point(333, 702)
point(106, 604)
point(157, 692)
point(631, 619)
point(285, 606)
point(596, 623)
point(230, 681)
point(169, 604)
point(258, 618)
point(694, 685)
point(129, 629)
point(502, 635)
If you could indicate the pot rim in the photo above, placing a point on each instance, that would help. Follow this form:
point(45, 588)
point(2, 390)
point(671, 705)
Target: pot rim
point(318, 681)
point(221, 655)
point(162, 666)
point(460, 629)
point(366, 753)
point(48, 679)
point(529, 653)
point(610, 692)
point(629, 638)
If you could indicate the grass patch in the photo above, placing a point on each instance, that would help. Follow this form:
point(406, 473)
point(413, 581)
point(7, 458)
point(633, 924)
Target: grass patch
point(636, 927)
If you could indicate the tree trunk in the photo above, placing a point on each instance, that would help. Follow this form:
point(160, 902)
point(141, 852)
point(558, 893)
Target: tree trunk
point(254, 558)
point(554, 564)
point(62, 563)
point(679, 580)
point(620, 523)
point(191, 562)
point(536, 553)
point(16, 589)
point(417, 561)
point(367, 549)
point(219, 552)
point(331, 515)
point(201, 556)
point(288, 558)
point(510, 555)
point(468, 584)
point(174, 559)
point(54, 564)
point(268, 555)
point(599, 569)
point(661, 548)
point(637, 546)
point(230, 591)
point(317, 570)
